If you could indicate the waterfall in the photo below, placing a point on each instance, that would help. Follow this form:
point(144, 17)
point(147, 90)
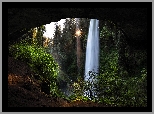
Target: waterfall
point(92, 52)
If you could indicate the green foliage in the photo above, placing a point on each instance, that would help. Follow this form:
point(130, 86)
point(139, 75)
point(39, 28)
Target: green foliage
point(39, 61)
point(114, 84)
point(115, 90)
point(65, 46)
point(109, 61)
point(75, 97)
point(39, 35)
point(78, 89)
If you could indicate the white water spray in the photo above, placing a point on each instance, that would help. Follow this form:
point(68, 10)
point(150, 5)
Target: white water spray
point(92, 50)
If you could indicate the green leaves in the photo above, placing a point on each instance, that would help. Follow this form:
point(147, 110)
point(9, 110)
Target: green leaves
point(39, 61)
point(113, 89)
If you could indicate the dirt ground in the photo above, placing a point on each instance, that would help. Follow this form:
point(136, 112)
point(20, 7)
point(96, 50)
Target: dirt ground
point(24, 91)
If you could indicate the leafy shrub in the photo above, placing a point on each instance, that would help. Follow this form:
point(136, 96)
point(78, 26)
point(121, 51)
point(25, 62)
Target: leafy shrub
point(120, 91)
point(114, 90)
point(116, 87)
point(39, 61)
point(81, 88)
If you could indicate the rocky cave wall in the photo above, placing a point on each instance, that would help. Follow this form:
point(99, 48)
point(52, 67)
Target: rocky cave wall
point(132, 20)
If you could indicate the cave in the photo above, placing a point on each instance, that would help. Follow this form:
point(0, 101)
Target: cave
point(133, 22)
point(126, 18)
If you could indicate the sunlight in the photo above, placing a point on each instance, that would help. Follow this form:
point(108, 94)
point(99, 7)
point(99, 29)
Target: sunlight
point(78, 33)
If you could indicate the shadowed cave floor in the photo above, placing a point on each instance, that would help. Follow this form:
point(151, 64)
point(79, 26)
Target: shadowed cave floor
point(24, 91)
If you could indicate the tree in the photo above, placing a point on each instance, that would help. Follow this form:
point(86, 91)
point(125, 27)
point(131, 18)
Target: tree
point(39, 35)
point(65, 46)
point(84, 27)
point(34, 35)
point(56, 43)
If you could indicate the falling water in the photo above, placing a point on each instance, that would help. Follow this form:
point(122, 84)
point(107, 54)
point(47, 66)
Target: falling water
point(92, 51)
